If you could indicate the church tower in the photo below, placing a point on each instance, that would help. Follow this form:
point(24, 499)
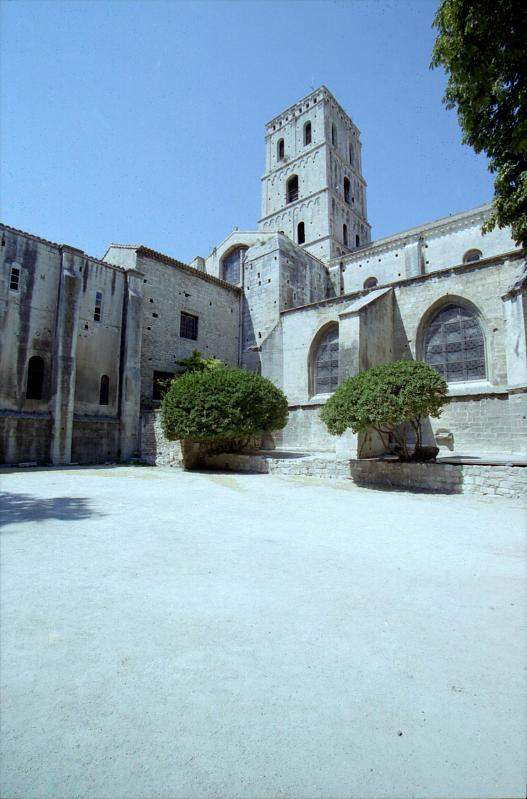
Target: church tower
point(313, 189)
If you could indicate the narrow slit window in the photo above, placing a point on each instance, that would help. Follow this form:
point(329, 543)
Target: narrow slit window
point(35, 378)
point(301, 233)
point(104, 390)
point(280, 150)
point(307, 134)
point(14, 278)
point(333, 135)
point(357, 240)
point(292, 189)
point(347, 188)
point(345, 235)
point(97, 311)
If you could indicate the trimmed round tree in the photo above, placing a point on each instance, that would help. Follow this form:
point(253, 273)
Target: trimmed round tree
point(386, 397)
point(222, 406)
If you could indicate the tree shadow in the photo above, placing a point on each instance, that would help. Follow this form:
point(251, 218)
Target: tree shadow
point(20, 508)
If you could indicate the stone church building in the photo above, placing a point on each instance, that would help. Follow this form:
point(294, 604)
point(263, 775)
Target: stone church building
point(307, 299)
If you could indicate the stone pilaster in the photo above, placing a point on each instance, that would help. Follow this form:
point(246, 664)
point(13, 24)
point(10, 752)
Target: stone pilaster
point(130, 383)
point(64, 354)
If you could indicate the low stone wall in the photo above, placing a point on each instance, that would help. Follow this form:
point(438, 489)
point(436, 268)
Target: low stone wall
point(447, 478)
point(24, 437)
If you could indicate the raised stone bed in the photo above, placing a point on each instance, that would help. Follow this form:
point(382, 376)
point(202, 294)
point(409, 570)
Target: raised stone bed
point(447, 478)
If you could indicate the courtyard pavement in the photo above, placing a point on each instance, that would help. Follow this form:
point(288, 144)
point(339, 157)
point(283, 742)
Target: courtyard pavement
point(203, 635)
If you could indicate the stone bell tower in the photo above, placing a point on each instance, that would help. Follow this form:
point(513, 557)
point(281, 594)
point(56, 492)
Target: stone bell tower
point(313, 189)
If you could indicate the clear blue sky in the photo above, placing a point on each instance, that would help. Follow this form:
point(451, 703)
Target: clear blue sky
point(143, 122)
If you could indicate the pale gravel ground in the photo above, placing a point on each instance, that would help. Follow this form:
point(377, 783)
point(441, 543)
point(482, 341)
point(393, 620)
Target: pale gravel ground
point(198, 635)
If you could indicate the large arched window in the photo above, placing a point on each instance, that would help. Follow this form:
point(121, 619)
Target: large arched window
point(307, 134)
point(104, 390)
point(300, 233)
point(471, 256)
point(347, 187)
point(325, 362)
point(280, 149)
point(231, 265)
point(454, 344)
point(292, 189)
point(35, 378)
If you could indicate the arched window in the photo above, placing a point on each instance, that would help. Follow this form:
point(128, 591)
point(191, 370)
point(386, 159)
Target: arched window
point(333, 135)
point(104, 391)
point(307, 133)
point(35, 378)
point(347, 186)
point(357, 240)
point(454, 344)
point(231, 265)
point(471, 255)
point(345, 235)
point(280, 149)
point(370, 283)
point(292, 189)
point(300, 233)
point(325, 363)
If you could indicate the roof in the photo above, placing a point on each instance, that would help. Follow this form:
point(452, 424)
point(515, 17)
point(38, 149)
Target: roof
point(146, 252)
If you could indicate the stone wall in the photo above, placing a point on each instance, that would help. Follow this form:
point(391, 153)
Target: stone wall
point(156, 450)
point(25, 437)
point(95, 440)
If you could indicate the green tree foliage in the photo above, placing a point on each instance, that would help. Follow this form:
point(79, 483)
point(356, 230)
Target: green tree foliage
point(386, 397)
point(222, 404)
point(482, 45)
point(196, 363)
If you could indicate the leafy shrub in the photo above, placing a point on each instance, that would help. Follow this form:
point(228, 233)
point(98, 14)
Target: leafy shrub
point(196, 363)
point(222, 404)
point(386, 397)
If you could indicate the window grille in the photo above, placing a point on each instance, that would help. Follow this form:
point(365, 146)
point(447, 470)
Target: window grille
point(326, 365)
point(188, 326)
point(471, 256)
point(14, 278)
point(454, 345)
point(97, 311)
point(292, 189)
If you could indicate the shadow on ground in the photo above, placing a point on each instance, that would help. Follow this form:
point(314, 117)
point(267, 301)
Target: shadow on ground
point(19, 508)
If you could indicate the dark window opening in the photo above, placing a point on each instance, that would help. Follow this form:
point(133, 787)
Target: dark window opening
point(292, 189)
point(351, 153)
point(35, 378)
point(357, 240)
point(97, 311)
point(471, 256)
point(370, 283)
point(326, 363)
point(231, 265)
point(333, 136)
point(454, 345)
point(347, 187)
point(160, 384)
point(301, 233)
point(188, 326)
point(104, 391)
point(280, 150)
point(14, 278)
point(307, 133)
point(345, 235)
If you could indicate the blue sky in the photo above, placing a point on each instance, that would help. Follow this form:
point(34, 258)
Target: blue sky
point(143, 122)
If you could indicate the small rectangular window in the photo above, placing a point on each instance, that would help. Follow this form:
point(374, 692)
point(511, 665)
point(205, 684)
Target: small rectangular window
point(188, 326)
point(97, 312)
point(14, 279)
